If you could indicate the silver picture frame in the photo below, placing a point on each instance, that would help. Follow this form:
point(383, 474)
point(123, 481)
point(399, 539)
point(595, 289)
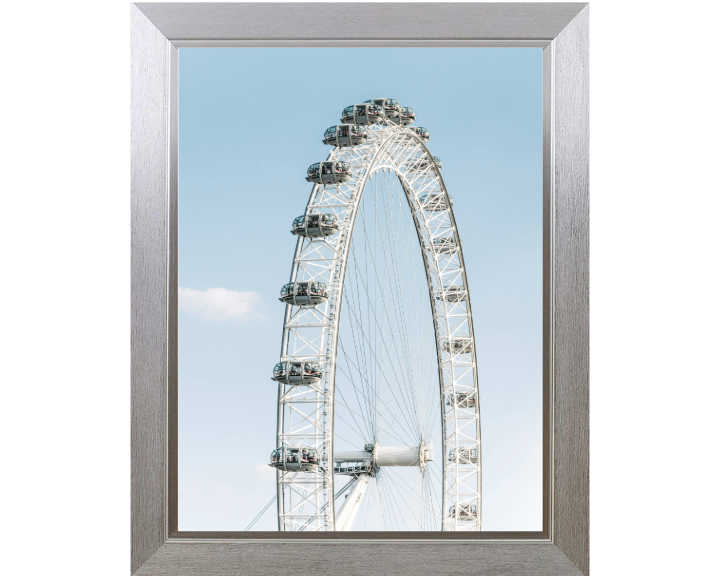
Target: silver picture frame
point(158, 30)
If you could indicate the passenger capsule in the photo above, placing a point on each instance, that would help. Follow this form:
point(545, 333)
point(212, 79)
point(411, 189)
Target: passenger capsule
point(422, 133)
point(461, 399)
point(434, 201)
point(297, 373)
point(355, 469)
point(389, 106)
point(304, 293)
point(329, 172)
point(452, 294)
point(407, 116)
point(464, 511)
point(314, 225)
point(457, 345)
point(295, 459)
point(344, 135)
point(445, 245)
point(423, 163)
point(467, 455)
point(363, 114)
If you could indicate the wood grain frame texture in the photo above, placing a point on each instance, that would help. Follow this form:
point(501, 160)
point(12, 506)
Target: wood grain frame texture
point(157, 30)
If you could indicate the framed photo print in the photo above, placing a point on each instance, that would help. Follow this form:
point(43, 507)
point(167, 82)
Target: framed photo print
point(360, 288)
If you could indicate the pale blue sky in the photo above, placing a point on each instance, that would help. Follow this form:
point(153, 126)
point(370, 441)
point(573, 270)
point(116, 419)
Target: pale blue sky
point(251, 122)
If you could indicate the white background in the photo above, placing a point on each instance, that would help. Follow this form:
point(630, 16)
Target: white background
point(65, 224)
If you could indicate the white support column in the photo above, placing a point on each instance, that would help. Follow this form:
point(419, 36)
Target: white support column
point(350, 507)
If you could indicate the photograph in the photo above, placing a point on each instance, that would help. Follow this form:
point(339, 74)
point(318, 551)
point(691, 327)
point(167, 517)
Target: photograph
point(360, 289)
point(321, 287)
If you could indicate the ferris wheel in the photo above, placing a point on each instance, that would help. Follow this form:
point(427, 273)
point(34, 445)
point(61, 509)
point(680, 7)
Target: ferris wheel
point(378, 421)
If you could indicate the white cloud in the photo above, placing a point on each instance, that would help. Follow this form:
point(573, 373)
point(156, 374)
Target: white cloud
point(217, 486)
point(221, 304)
point(264, 471)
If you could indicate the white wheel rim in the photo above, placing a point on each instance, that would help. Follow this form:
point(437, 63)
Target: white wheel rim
point(306, 500)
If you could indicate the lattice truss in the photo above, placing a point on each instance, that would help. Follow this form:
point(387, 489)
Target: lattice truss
point(305, 413)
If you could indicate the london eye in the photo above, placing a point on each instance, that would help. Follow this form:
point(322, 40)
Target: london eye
point(378, 414)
